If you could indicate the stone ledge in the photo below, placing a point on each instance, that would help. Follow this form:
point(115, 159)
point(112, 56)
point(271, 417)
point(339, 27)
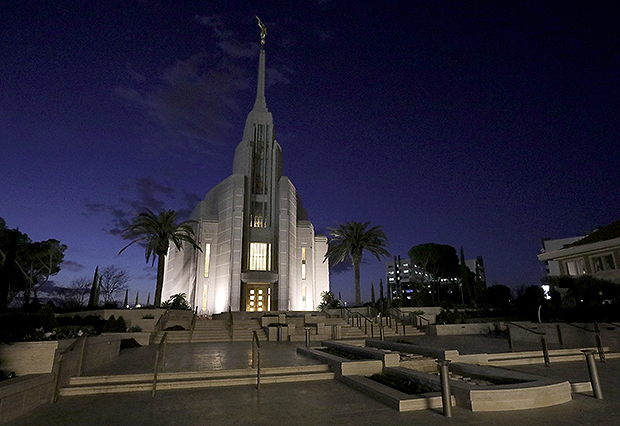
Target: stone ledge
point(388, 359)
point(393, 398)
point(342, 366)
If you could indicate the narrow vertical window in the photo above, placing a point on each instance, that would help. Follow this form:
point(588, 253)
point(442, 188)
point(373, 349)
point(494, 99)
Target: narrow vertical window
point(303, 264)
point(303, 297)
point(204, 298)
point(207, 256)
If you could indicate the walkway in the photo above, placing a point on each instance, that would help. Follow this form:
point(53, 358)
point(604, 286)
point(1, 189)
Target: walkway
point(312, 403)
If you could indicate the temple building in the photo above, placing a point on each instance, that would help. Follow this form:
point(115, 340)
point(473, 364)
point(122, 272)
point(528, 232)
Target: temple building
point(259, 251)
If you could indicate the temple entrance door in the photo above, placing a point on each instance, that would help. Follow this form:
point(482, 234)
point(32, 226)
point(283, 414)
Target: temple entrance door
point(258, 297)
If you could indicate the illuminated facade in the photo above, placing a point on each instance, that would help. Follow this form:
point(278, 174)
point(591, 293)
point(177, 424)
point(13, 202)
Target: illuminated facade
point(259, 251)
point(597, 254)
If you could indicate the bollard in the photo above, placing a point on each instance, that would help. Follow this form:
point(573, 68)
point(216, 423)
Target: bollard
point(445, 387)
point(307, 336)
point(509, 339)
point(596, 384)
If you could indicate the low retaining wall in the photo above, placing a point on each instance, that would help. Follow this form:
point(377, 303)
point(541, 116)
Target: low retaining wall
point(427, 351)
point(530, 391)
point(393, 398)
point(572, 336)
point(464, 329)
point(29, 357)
point(23, 394)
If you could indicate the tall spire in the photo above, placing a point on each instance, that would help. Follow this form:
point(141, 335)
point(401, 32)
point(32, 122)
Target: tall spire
point(261, 103)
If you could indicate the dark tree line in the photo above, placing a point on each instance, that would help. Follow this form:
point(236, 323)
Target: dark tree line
point(26, 265)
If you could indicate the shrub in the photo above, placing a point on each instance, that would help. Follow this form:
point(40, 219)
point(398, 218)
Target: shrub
point(176, 301)
point(135, 329)
point(114, 325)
point(148, 316)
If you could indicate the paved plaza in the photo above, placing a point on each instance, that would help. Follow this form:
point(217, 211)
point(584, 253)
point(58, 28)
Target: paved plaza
point(307, 403)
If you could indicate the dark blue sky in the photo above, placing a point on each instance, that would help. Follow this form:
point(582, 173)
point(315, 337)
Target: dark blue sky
point(484, 125)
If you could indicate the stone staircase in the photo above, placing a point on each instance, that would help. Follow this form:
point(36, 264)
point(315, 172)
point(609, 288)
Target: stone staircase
point(93, 385)
point(211, 331)
point(349, 332)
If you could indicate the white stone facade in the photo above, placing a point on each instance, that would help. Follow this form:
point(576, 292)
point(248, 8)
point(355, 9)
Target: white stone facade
point(259, 251)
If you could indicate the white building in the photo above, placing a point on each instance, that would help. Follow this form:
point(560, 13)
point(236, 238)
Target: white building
point(597, 254)
point(259, 251)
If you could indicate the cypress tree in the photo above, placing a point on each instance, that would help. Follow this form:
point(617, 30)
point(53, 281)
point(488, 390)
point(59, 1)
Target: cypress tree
point(93, 299)
point(126, 298)
point(137, 294)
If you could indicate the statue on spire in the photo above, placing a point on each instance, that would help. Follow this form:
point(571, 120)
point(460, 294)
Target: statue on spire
point(263, 30)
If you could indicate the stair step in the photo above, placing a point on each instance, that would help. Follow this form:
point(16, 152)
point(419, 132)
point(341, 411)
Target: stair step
point(91, 385)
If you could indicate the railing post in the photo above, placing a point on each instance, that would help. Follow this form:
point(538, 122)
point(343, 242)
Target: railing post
point(307, 336)
point(82, 350)
point(545, 351)
point(445, 387)
point(57, 379)
point(509, 339)
point(256, 356)
point(155, 372)
point(599, 344)
point(596, 384)
point(560, 340)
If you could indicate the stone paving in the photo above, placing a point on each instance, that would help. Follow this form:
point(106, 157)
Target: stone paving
point(309, 403)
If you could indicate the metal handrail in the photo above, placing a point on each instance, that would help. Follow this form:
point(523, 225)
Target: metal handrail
point(162, 344)
point(160, 325)
point(231, 323)
point(256, 356)
point(353, 316)
point(192, 326)
point(421, 326)
point(70, 348)
point(543, 341)
point(597, 338)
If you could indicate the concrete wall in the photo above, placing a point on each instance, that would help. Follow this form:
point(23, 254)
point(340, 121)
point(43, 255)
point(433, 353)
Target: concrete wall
point(38, 363)
point(133, 317)
point(464, 329)
point(23, 394)
point(39, 357)
point(572, 336)
point(28, 357)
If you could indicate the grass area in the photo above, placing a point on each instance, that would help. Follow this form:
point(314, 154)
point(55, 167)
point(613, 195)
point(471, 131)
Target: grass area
point(401, 384)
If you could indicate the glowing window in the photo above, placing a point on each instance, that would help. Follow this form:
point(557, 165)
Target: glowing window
point(207, 256)
point(303, 296)
point(303, 264)
point(260, 254)
point(204, 298)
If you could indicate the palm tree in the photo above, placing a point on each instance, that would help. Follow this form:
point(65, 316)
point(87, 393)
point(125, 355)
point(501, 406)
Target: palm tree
point(157, 231)
point(349, 241)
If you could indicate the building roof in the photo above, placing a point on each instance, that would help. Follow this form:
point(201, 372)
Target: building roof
point(603, 234)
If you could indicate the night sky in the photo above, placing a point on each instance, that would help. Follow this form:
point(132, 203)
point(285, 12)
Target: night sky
point(484, 125)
